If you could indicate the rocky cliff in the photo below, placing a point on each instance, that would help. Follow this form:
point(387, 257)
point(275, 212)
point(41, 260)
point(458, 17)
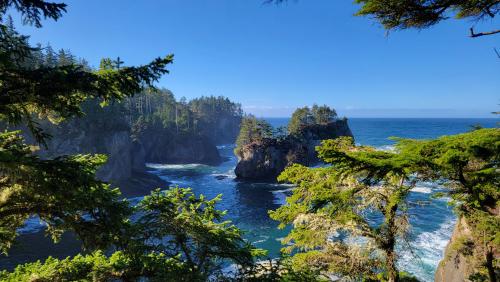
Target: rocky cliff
point(125, 167)
point(178, 149)
point(455, 266)
point(267, 158)
point(127, 156)
point(468, 256)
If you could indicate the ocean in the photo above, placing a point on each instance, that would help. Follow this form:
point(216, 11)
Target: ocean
point(248, 204)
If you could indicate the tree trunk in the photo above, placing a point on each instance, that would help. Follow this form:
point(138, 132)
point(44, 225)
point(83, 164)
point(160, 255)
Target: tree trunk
point(390, 259)
point(489, 265)
point(392, 271)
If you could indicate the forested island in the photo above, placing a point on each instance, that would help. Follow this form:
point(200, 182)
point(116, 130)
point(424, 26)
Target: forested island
point(263, 152)
point(76, 139)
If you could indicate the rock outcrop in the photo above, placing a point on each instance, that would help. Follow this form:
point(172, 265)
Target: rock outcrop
point(125, 167)
point(127, 156)
point(266, 159)
point(455, 266)
point(172, 149)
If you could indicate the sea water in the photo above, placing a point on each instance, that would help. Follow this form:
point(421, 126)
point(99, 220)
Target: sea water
point(248, 203)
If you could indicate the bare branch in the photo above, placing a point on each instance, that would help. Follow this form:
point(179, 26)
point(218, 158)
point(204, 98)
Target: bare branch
point(473, 34)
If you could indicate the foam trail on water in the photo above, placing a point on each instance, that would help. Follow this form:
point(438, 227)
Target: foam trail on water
point(175, 166)
point(422, 189)
point(428, 251)
point(280, 195)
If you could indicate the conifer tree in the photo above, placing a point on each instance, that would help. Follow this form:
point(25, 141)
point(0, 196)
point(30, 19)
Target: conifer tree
point(469, 163)
point(63, 191)
point(361, 197)
point(252, 130)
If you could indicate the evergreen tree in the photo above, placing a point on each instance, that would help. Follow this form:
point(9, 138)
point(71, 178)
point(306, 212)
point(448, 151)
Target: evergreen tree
point(397, 14)
point(252, 130)
point(362, 196)
point(65, 58)
point(50, 57)
point(63, 191)
point(345, 199)
point(175, 236)
point(469, 163)
point(301, 118)
point(323, 114)
point(304, 117)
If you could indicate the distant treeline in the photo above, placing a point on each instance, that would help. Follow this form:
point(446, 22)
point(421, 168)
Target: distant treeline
point(217, 118)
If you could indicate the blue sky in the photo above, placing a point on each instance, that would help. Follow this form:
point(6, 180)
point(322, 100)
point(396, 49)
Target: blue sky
point(274, 58)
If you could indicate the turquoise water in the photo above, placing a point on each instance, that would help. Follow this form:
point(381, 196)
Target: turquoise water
point(248, 203)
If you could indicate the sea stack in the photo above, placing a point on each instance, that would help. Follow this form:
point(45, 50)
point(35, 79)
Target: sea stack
point(265, 158)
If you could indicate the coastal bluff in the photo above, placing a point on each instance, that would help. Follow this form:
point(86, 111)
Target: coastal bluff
point(265, 159)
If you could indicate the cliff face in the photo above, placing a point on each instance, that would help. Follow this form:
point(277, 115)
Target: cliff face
point(127, 156)
point(455, 266)
point(178, 149)
point(223, 131)
point(125, 166)
point(265, 160)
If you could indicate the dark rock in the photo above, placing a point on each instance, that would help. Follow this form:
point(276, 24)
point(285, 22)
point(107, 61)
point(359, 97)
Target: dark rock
point(171, 149)
point(220, 177)
point(125, 167)
point(266, 159)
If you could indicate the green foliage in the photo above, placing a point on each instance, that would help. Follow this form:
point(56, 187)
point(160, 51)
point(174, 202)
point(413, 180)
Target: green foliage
point(300, 118)
point(98, 267)
point(158, 110)
point(323, 114)
point(33, 10)
point(59, 90)
point(193, 227)
point(175, 236)
point(339, 199)
point(363, 182)
point(468, 161)
point(252, 130)
point(303, 117)
point(171, 236)
point(281, 269)
point(62, 192)
point(396, 14)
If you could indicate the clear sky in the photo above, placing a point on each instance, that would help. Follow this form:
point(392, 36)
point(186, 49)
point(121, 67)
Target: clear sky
point(274, 58)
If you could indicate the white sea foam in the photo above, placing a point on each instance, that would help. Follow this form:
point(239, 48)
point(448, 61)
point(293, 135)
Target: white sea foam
point(422, 189)
point(428, 251)
point(174, 166)
point(228, 174)
point(280, 195)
